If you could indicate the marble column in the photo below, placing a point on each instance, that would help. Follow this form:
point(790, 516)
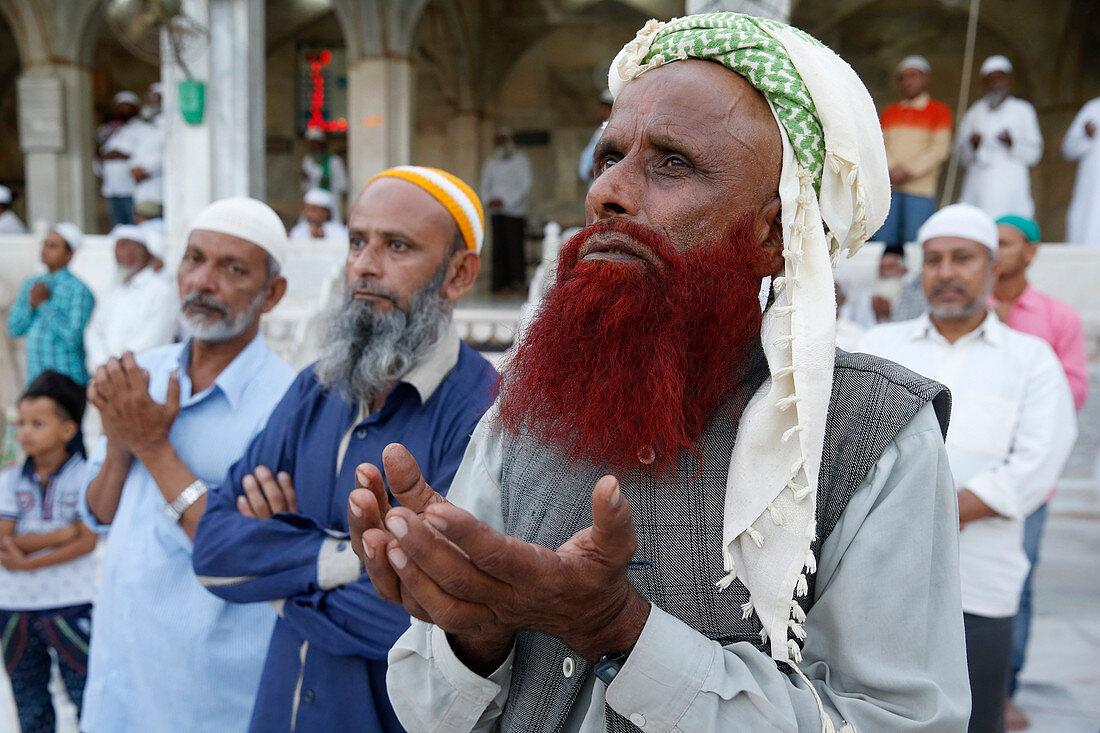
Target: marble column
point(463, 138)
point(225, 154)
point(55, 115)
point(379, 116)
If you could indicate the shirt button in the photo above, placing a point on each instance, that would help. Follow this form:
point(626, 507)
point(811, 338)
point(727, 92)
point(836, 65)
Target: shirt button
point(568, 666)
point(341, 546)
point(637, 719)
point(361, 433)
point(307, 695)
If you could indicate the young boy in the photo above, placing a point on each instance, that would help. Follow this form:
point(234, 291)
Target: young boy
point(46, 571)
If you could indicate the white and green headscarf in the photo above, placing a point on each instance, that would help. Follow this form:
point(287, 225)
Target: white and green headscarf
point(835, 192)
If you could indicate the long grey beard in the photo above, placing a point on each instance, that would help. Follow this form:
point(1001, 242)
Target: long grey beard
point(367, 352)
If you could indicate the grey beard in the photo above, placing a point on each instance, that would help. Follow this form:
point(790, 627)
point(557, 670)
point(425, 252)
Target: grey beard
point(225, 329)
point(994, 99)
point(365, 352)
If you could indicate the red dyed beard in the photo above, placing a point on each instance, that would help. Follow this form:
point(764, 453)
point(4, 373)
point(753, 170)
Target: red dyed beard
point(626, 360)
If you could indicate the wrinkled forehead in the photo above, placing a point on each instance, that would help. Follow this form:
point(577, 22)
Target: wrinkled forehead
point(219, 245)
point(701, 104)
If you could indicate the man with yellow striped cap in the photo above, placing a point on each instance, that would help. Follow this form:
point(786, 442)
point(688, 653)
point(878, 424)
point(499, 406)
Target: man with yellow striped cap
point(392, 370)
point(753, 530)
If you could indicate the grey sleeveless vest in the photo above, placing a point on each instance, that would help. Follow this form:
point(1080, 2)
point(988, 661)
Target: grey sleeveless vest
point(546, 498)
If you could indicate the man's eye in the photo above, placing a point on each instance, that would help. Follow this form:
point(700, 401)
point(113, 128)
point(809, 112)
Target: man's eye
point(355, 243)
point(606, 162)
point(398, 245)
point(674, 161)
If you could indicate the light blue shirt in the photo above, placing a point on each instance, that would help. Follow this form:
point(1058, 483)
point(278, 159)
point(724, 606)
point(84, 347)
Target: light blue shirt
point(166, 654)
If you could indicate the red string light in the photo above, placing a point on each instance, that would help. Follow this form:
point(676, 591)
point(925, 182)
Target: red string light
point(317, 95)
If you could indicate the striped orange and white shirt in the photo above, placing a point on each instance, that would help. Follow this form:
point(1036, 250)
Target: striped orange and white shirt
point(918, 138)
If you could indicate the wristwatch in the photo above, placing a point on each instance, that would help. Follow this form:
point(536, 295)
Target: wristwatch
point(175, 509)
point(608, 666)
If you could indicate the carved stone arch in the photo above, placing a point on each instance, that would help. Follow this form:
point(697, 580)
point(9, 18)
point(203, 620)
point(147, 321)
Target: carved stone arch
point(29, 30)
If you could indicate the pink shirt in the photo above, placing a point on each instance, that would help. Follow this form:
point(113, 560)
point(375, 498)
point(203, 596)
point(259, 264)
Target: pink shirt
point(1059, 325)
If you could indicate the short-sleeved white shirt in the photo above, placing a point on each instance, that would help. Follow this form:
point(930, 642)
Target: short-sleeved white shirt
point(36, 508)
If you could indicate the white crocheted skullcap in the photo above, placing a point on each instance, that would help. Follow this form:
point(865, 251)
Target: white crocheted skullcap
point(996, 63)
point(70, 233)
point(964, 221)
point(132, 232)
point(248, 219)
point(915, 61)
point(320, 197)
point(315, 134)
point(126, 97)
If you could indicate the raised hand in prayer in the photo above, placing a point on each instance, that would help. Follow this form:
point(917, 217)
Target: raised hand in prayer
point(1005, 137)
point(139, 174)
point(448, 568)
point(120, 391)
point(975, 139)
point(1090, 128)
point(267, 494)
point(40, 293)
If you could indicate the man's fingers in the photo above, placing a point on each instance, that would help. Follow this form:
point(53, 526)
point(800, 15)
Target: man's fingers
point(172, 398)
point(286, 483)
point(441, 608)
point(271, 489)
point(612, 525)
point(362, 515)
point(505, 558)
point(405, 481)
point(382, 576)
point(368, 477)
point(251, 487)
point(245, 508)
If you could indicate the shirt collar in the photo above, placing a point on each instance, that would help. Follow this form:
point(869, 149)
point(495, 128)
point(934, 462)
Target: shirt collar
point(426, 376)
point(30, 473)
point(918, 102)
point(234, 379)
point(990, 329)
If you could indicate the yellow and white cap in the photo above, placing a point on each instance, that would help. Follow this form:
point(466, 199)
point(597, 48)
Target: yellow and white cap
point(456, 196)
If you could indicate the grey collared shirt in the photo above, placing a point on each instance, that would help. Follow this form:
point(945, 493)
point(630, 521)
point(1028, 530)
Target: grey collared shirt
point(884, 648)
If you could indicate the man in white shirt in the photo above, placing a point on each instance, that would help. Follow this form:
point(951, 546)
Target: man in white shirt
point(9, 222)
point(505, 183)
point(999, 141)
point(876, 305)
point(322, 168)
point(119, 154)
point(1082, 143)
point(317, 220)
point(139, 312)
point(1012, 427)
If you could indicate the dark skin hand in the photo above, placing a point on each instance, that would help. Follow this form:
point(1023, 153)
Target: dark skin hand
point(120, 391)
point(1090, 128)
point(1005, 137)
point(972, 508)
point(40, 293)
point(976, 139)
point(115, 155)
point(881, 307)
point(139, 174)
point(266, 494)
point(448, 568)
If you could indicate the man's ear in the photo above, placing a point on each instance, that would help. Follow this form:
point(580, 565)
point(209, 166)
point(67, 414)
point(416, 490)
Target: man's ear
point(275, 290)
point(769, 235)
point(461, 274)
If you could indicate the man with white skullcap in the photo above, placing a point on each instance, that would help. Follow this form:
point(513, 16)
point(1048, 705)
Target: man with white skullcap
point(754, 531)
point(999, 141)
point(1012, 427)
point(505, 186)
point(52, 310)
point(317, 220)
point(125, 149)
point(321, 168)
point(166, 655)
point(392, 369)
point(139, 311)
point(917, 132)
point(10, 223)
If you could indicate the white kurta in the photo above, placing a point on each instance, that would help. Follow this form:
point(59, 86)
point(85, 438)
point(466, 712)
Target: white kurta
point(132, 316)
point(337, 180)
point(998, 178)
point(1012, 428)
point(1083, 219)
point(11, 224)
point(507, 179)
point(149, 155)
point(333, 232)
point(117, 179)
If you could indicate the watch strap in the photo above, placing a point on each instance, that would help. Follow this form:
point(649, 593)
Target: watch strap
point(175, 509)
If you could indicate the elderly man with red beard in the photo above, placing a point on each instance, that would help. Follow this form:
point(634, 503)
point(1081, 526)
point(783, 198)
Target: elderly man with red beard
point(683, 514)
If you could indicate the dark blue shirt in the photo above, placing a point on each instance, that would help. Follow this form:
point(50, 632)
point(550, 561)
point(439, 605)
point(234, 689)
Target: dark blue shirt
point(326, 664)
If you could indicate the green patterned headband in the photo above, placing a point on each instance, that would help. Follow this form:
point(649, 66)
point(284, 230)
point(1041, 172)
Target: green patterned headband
point(743, 44)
